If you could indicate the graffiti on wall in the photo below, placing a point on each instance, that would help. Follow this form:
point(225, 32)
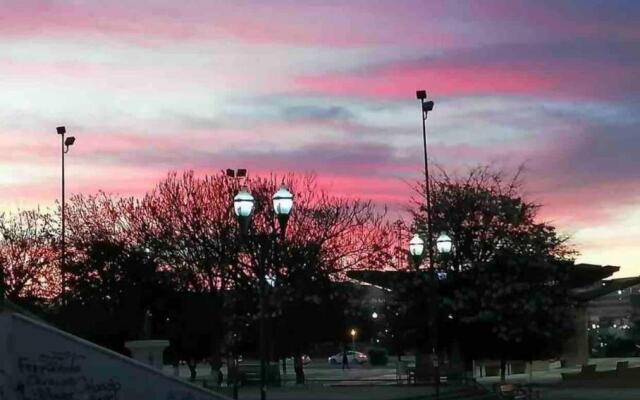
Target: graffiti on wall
point(60, 376)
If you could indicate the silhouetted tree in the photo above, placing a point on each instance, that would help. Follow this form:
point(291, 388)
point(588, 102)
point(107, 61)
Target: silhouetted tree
point(517, 306)
point(506, 277)
point(485, 211)
point(326, 236)
point(112, 279)
point(28, 256)
point(183, 237)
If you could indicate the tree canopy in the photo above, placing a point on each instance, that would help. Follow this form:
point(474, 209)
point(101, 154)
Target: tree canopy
point(504, 287)
point(178, 249)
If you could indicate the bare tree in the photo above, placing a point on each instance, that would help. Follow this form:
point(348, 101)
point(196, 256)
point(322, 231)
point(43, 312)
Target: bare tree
point(28, 255)
point(485, 210)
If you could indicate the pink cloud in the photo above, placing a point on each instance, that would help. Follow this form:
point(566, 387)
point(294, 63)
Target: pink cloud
point(453, 79)
point(147, 22)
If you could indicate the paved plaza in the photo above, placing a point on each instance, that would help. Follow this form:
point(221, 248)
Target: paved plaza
point(327, 382)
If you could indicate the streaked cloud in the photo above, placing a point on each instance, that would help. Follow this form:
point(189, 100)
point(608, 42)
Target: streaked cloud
point(151, 86)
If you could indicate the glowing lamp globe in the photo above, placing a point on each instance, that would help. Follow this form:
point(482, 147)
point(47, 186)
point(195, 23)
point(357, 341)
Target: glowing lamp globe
point(283, 201)
point(243, 203)
point(443, 243)
point(416, 246)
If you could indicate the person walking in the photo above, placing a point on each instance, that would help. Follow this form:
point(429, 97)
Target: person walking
point(345, 359)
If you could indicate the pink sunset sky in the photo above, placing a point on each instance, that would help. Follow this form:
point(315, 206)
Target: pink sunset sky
point(329, 86)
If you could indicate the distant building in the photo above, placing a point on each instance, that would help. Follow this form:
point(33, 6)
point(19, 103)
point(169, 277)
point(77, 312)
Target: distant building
point(617, 309)
point(598, 301)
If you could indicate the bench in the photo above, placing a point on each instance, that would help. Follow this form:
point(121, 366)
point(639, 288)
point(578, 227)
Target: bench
point(249, 374)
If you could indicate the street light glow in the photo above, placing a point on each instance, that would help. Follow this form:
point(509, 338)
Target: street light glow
point(353, 332)
point(283, 201)
point(443, 243)
point(271, 280)
point(243, 203)
point(374, 315)
point(416, 246)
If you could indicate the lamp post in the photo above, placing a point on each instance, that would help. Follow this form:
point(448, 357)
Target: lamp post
point(353, 334)
point(66, 144)
point(243, 204)
point(425, 107)
point(416, 250)
point(235, 174)
point(444, 243)
point(282, 205)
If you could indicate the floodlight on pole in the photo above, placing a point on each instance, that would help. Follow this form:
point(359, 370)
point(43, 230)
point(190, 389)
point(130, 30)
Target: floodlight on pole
point(425, 108)
point(66, 143)
point(236, 173)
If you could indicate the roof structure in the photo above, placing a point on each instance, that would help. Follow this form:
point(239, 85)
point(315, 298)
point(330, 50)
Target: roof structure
point(582, 278)
point(581, 275)
point(605, 288)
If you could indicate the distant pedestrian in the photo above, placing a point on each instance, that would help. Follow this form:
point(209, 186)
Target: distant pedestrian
point(220, 378)
point(345, 359)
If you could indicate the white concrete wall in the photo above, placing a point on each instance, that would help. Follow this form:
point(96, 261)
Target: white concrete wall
point(39, 362)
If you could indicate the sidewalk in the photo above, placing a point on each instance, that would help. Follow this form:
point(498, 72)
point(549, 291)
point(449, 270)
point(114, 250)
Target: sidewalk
point(318, 392)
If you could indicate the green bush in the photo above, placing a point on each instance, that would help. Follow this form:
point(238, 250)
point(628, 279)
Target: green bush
point(378, 357)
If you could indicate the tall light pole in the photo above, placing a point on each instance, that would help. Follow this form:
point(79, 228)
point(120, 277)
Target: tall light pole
point(243, 206)
point(66, 143)
point(425, 107)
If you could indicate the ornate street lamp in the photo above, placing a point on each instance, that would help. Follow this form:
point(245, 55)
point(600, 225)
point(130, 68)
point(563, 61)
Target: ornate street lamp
point(282, 205)
point(243, 204)
point(444, 243)
point(243, 207)
point(416, 248)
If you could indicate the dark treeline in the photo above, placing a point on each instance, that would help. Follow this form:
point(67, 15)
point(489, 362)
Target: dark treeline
point(178, 254)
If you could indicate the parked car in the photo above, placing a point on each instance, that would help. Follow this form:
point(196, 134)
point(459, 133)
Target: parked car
point(352, 357)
